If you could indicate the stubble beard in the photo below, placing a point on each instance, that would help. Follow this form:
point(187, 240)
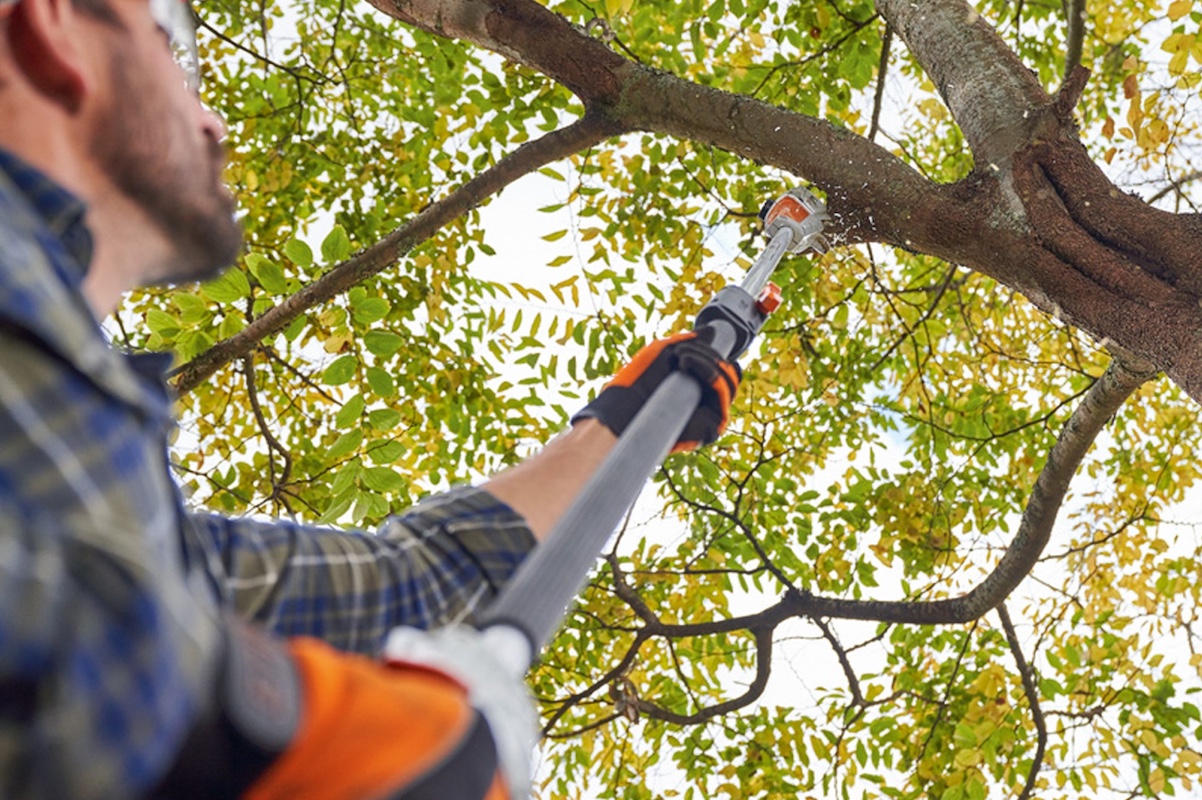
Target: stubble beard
point(144, 150)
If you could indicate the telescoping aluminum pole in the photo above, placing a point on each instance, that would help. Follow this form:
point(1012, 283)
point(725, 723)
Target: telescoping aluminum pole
point(532, 607)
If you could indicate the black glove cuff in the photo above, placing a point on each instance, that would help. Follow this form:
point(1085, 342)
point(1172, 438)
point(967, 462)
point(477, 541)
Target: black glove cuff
point(612, 408)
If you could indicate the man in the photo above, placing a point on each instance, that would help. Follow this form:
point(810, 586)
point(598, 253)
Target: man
point(138, 640)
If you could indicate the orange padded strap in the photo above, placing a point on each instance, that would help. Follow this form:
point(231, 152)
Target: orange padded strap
point(367, 730)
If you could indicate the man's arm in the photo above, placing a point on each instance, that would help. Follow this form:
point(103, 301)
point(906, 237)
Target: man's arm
point(541, 488)
point(440, 562)
point(450, 556)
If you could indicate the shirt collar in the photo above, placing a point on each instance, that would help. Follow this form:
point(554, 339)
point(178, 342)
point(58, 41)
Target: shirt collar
point(62, 212)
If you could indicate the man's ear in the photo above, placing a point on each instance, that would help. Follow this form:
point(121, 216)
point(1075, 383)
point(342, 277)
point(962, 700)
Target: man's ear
point(49, 43)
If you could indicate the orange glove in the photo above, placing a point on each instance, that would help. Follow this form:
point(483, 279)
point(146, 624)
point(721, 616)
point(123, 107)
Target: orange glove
point(624, 396)
point(299, 720)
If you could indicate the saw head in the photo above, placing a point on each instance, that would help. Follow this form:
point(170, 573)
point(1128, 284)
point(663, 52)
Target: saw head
point(801, 213)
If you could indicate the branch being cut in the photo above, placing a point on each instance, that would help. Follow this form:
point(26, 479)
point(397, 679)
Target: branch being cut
point(580, 135)
point(863, 181)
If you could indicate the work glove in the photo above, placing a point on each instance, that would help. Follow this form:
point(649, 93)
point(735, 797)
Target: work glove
point(436, 719)
point(692, 353)
point(498, 695)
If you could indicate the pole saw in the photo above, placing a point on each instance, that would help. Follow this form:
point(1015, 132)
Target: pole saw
point(530, 609)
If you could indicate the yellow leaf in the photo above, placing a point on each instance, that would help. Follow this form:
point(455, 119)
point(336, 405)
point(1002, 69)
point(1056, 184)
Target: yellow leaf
point(968, 758)
point(1179, 61)
point(1179, 9)
point(1158, 131)
point(1135, 116)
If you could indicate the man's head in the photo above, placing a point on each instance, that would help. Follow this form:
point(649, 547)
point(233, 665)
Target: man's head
point(139, 143)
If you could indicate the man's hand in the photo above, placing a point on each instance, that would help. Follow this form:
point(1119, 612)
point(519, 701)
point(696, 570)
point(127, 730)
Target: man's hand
point(624, 396)
point(499, 696)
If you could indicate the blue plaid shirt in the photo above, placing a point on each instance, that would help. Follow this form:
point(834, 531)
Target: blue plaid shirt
point(110, 590)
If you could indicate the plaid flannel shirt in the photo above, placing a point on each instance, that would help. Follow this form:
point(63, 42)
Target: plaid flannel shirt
point(110, 590)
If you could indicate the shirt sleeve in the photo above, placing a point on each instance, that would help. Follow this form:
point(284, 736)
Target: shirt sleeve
point(439, 563)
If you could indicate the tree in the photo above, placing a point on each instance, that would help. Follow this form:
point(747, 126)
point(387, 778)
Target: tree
point(954, 465)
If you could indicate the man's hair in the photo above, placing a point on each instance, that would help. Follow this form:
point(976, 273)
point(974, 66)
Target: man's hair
point(97, 9)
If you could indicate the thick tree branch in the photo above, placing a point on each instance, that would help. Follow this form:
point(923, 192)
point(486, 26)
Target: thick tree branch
point(1141, 232)
point(763, 670)
point(862, 181)
point(585, 132)
point(995, 99)
point(1099, 404)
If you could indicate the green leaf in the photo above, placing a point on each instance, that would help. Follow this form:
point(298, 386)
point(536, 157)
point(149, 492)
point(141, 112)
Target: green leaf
point(160, 321)
point(295, 328)
point(382, 343)
point(384, 419)
point(380, 380)
point(341, 370)
point(369, 310)
point(387, 453)
point(336, 246)
point(299, 252)
point(345, 444)
point(229, 288)
point(350, 412)
point(230, 326)
point(267, 273)
point(382, 479)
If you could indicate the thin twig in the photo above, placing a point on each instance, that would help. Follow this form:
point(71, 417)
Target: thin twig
point(1032, 692)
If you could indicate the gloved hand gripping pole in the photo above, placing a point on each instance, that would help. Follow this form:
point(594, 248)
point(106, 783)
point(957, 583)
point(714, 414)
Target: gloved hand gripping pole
point(530, 609)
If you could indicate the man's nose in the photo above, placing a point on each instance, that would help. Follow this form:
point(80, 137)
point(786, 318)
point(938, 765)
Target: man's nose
point(212, 124)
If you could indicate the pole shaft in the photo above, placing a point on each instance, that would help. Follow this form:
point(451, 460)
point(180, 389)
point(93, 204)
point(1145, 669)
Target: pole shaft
point(537, 597)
